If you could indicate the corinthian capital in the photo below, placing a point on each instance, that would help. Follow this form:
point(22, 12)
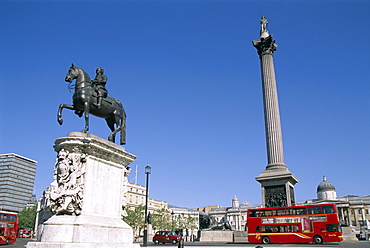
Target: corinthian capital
point(265, 45)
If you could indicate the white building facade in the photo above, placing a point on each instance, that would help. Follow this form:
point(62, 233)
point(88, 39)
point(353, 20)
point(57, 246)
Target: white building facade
point(235, 215)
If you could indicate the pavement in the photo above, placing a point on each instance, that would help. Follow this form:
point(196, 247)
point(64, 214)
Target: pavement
point(20, 243)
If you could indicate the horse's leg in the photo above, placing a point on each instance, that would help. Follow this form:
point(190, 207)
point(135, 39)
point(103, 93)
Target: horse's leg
point(61, 106)
point(87, 112)
point(111, 121)
point(123, 130)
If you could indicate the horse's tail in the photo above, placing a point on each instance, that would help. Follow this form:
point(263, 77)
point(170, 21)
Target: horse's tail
point(123, 128)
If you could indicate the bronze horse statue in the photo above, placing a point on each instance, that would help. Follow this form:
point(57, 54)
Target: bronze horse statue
point(84, 98)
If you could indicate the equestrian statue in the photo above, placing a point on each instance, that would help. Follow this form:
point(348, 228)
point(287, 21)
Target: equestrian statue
point(90, 96)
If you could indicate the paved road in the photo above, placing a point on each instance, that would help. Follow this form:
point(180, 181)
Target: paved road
point(20, 243)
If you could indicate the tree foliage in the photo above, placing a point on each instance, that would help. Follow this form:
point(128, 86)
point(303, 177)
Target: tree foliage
point(161, 219)
point(135, 218)
point(185, 222)
point(27, 217)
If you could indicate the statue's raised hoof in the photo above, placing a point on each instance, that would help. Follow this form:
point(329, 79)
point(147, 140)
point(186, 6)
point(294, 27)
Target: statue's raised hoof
point(60, 121)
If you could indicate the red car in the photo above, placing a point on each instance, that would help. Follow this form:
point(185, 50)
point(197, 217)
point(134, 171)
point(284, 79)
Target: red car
point(166, 237)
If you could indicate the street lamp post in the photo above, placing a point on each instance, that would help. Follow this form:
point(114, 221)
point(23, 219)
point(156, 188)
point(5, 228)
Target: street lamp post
point(147, 172)
point(172, 223)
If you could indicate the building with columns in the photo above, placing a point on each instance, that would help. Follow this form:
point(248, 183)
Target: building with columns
point(135, 196)
point(236, 214)
point(354, 211)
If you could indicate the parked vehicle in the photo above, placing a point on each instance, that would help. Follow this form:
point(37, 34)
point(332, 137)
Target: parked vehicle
point(166, 237)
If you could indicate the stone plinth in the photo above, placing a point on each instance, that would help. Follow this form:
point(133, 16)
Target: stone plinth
point(277, 187)
point(240, 237)
point(87, 195)
point(216, 236)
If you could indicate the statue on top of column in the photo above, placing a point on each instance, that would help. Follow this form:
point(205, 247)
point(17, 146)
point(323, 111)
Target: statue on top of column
point(264, 33)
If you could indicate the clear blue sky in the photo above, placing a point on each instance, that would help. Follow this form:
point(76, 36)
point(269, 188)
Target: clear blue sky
point(190, 81)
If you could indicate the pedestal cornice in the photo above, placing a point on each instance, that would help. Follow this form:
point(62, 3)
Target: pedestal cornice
point(94, 146)
point(277, 175)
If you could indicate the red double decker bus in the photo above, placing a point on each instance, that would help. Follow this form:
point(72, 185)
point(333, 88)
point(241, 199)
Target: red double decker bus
point(8, 227)
point(298, 224)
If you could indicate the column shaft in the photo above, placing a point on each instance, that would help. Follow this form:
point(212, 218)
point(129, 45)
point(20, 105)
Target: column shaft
point(274, 142)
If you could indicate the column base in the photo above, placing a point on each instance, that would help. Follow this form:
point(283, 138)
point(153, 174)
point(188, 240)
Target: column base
point(277, 187)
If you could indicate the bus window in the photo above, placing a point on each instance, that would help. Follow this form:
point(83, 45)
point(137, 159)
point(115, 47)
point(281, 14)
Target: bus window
point(280, 229)
point(314, 210)
point(257, 228)
point(266, 229)
point(253, 213)
point(292, 228)
point(289, 211)
point(332, 227)
point(280, 212)
point(299, 211)
point(265, 213)
point(327, 209)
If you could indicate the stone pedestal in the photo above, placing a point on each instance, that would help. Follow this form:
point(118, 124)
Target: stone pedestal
point(277, 187)
point(87, 195)
point(216, 236)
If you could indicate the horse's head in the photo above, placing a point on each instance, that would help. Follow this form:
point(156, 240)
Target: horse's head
point(73, 73)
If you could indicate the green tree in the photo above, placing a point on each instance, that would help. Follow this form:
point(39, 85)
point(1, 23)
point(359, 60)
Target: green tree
point(185, 222)
point(161, 219)
point(191, 222)
point(27, 217)
point(135, 218)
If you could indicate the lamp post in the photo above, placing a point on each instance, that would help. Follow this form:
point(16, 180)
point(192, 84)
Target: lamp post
point(147, 172)
point(172, 223)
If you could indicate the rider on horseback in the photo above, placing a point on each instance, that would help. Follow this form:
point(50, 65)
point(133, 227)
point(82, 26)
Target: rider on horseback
point(99, 86)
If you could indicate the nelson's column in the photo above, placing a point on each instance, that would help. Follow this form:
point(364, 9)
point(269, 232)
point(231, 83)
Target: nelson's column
point(276, 180)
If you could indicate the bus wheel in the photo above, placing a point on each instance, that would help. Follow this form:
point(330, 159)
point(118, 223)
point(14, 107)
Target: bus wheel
point(266, 240)
point(318, 239)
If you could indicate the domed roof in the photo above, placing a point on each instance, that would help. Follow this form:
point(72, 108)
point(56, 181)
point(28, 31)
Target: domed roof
point(325, 186)
point(235, 198)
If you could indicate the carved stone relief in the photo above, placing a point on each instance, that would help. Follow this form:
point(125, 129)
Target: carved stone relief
point(66, 191)
point(275, 196)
